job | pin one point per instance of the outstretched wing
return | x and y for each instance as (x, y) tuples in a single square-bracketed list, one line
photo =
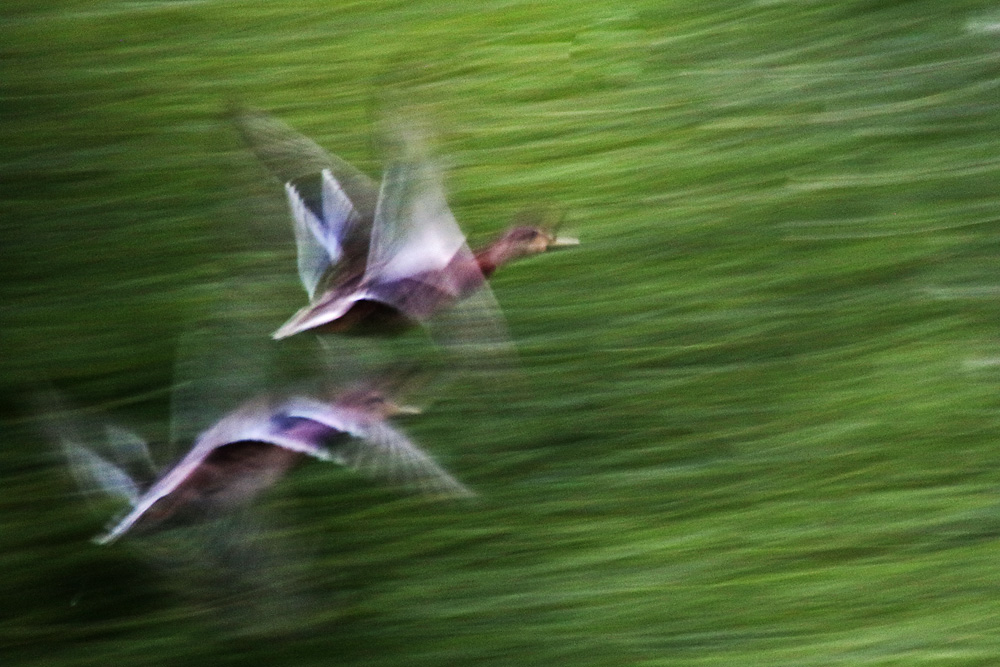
[(259, 423), (384, 453), (340, 197), (320, 239), (379, 451), (106, 467), (327, 308), (94, 473), (415, 236), (293, 157), (414, 230), (474, 330)]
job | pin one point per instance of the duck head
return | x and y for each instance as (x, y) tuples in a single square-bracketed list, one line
[(373, 404), (521, 241)]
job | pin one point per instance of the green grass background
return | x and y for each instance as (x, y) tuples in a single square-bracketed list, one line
[(760, 417)]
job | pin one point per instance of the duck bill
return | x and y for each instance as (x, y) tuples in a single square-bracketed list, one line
[(563, 242)]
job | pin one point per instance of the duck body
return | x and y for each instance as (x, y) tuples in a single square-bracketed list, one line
[(231, 476), (378, 260), (418, 265), (228, 466), (251, 449), (374, 305)]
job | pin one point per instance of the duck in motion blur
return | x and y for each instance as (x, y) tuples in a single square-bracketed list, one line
[(252, 448), (416, 262), (418, 265)]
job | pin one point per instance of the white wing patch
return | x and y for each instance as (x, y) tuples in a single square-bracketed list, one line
[(324, 413)]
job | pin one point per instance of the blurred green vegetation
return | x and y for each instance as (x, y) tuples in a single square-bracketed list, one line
[(760, 413)]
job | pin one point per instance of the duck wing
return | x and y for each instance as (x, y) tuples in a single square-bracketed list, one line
[(415, 239), (94, 473), (326, 308), (341, 198), (234, 447), (320, 238), (103, 459), (421, 264), (379, 451), (475, 332)]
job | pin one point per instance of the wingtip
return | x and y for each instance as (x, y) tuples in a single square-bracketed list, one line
[(290, 328), (295, 324), (110, 534), (453, 490), (103, 539)]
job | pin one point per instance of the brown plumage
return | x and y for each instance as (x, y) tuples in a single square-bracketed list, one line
[(418, 262), (252, 448), (378, 261)]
